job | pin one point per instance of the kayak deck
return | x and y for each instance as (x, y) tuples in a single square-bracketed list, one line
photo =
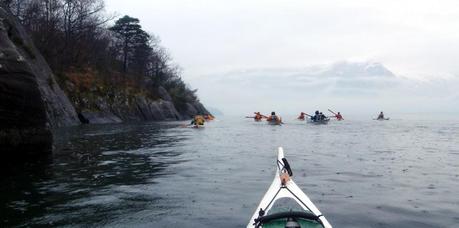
[(289, 205), (284, 201), (280, 223)]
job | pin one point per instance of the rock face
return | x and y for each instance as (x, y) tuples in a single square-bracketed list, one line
[(59, 110), (98, 117), (32, 102), (140, 109), (193, 109), (24, 124), (164, 94)]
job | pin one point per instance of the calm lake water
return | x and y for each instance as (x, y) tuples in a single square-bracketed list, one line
[(359, 173)]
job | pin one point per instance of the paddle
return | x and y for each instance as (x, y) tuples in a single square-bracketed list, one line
[(332, 112), (335, 114), (262, 116), (254, 117)]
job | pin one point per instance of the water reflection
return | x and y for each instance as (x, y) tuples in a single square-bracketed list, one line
[(96, 172)]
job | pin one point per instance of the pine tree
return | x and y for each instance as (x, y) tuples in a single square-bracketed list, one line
[(132, 38)]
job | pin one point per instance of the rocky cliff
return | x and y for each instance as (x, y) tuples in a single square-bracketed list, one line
[(32, 103), (103, 109), (24, 120), (59, 110)]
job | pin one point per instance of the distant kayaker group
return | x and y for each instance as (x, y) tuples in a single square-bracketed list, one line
[(277, 120), (274, 119), (318, 117)]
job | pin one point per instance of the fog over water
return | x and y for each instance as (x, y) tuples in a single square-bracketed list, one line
[(351, 87)]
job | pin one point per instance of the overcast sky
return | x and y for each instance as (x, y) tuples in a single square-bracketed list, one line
[(412, 38)]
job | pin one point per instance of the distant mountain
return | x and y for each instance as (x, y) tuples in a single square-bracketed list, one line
[(359, 69), (338, 69), (339, 78), (343, 85)]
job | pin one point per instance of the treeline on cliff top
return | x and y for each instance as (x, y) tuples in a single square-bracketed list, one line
[(92, 56)]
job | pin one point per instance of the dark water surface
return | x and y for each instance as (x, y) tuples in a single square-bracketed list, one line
[(359, 173)]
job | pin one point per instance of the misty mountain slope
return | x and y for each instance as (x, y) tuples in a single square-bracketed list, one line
[(345, 85), (342, 77)]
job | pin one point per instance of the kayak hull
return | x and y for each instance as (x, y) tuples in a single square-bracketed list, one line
[(274, 122), (324, 121)]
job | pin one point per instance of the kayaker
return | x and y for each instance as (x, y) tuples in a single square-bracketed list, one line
[(316, 116), (302, 116), (258, 116), (274, 117), (381, 116), (321, 116), (198, 120), (338, 116)]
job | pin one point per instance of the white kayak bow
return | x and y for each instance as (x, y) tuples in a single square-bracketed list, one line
[(289, 190)]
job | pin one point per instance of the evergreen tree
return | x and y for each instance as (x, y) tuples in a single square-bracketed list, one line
[(131, 37)]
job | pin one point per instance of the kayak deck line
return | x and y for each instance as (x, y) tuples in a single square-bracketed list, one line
[(288, 190)]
